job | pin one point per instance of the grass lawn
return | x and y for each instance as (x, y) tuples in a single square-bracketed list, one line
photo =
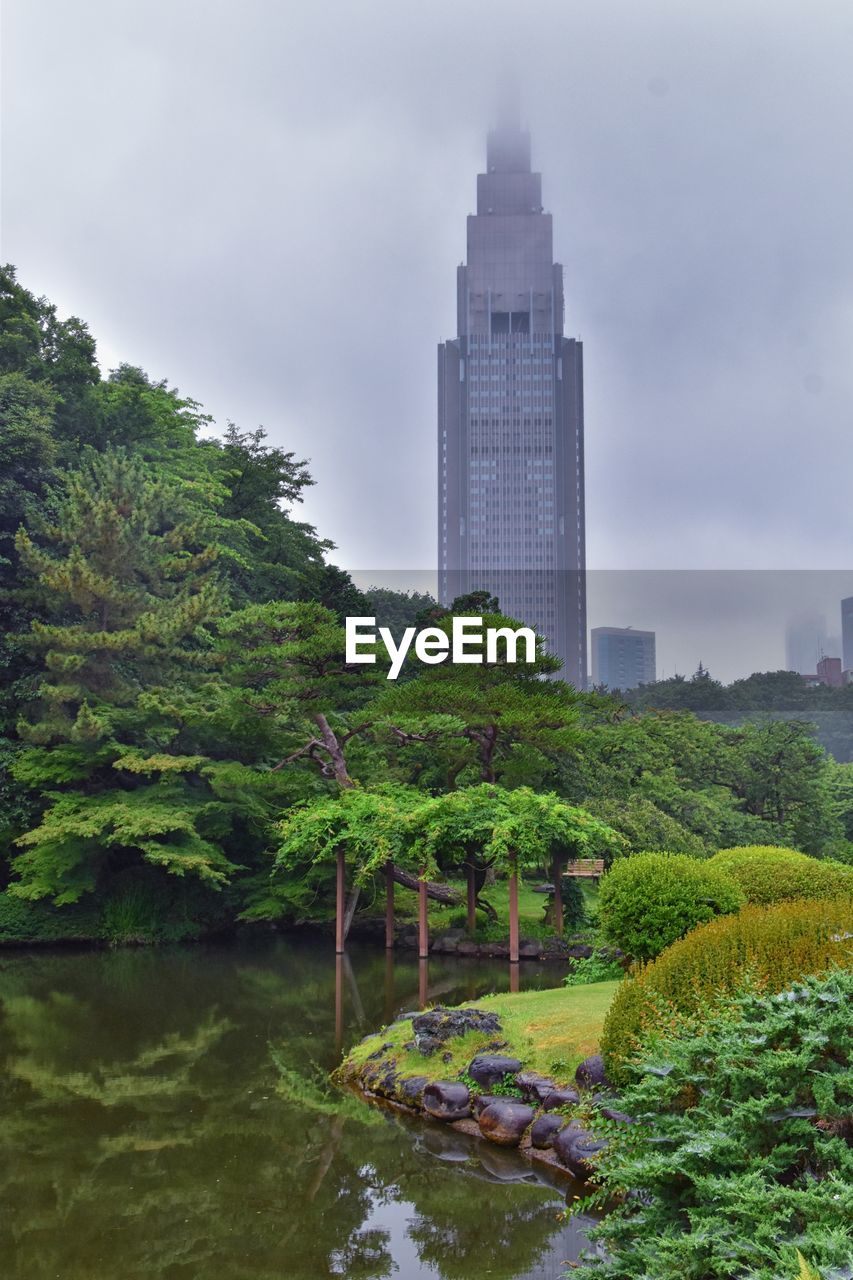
[(549, 1031)]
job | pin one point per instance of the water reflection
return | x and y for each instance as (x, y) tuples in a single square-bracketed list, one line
[(166, 1116)]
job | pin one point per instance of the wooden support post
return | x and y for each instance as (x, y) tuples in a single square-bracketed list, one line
[(514, 984), (339, 1004), (340, 903), (389, 905), (423, 973), (472, 898), (423, 920), (513, 911), (557, 874), (389, 987)]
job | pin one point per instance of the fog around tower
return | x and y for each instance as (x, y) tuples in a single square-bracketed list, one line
[(266, 205)]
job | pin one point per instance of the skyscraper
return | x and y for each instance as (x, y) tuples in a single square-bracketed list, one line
[(622, 658), (510, 415), (847, 633)]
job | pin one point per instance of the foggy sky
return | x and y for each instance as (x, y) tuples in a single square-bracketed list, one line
[(265, 203)]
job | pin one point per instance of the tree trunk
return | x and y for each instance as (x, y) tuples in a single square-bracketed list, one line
[(334, 751), (438, 892)]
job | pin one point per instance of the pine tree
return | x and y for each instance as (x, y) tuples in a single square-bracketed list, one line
[(131, 583)]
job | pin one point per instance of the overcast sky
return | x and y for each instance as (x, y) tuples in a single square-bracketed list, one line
[(265, 203)]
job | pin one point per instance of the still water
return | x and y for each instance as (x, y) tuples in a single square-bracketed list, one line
[(165, 1115)]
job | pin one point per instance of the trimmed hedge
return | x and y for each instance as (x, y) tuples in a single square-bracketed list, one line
[(768, 874), (649, 900), (763, 948)]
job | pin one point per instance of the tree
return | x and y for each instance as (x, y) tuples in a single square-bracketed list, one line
[(488, 710), (485, 826), (289, 658), (369, 828), (132, 584)]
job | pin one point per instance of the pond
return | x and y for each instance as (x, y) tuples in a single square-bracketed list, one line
[(165, 1115)]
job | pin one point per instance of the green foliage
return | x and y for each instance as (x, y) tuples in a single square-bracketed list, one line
[(768, 874), (476, 716), (574, 902), (370, 827), (599, 967), (769, 947), (741, 1162), (646, 826), (649, 900), (506, 828)]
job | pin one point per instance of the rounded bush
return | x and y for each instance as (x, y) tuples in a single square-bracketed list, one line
[(768, 874), (763, 948), (649, 900)]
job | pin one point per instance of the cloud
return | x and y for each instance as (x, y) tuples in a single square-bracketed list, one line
[(266, 204)]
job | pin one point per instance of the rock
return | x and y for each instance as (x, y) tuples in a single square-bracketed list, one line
[(444, 944), (543, 1130), (437, 1025), (481, 1101), (530, 950), (567, 1097), (574, 1146), (535, 1088), (590, 1073), (447, 1057), (496, 950), (610, 1113), (446, 1100), (579, 951), (410, 1090), (467, 947), (385, 1082), (489, 1069), (504, 1121), (427, 1045)]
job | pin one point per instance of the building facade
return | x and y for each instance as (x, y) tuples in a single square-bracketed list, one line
[(510, 416), (847, 633), (622, 658)]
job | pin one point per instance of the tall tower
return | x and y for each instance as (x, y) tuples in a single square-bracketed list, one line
[(510, 415)]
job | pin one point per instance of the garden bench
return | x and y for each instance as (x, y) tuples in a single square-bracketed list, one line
[(585, 868)]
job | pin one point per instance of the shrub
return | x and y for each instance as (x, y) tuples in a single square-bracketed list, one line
[(599, 967), (768, 947), (767, 874), (739, 1158), (649, 900)]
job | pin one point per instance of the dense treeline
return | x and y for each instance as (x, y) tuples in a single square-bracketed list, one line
[(767, 694), (173, 676)]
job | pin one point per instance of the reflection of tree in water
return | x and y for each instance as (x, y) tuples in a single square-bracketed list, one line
[(166, 1117)]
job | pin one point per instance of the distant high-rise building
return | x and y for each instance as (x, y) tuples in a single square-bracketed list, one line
[(847, 633), (622, 658), (510, 416), (806, 642)]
